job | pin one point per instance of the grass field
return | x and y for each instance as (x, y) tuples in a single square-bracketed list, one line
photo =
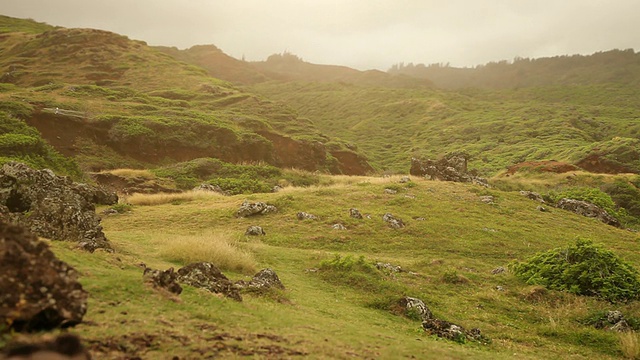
[(326, 312)]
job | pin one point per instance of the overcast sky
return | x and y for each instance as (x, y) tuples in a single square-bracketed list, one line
[(363, 34)]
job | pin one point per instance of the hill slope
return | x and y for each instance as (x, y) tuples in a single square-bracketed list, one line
[(96, 95), (341, 307)]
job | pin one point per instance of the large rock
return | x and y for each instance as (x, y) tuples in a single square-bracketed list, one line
[(265, 279), (257, 208), (588, 209), (37, 291), (52, 206), (207, 276), (452, 167), (162, 279)]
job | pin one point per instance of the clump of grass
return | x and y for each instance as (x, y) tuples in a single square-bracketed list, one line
[(175, 198), (132, 173), (451, 276), (218, 248), (630, 344)]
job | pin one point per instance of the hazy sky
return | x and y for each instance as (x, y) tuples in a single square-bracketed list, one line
[(362, 34)]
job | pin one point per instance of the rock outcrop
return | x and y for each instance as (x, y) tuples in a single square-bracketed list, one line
[(207, 276), (589, 210), (52, 206), (159, 279), (416, 306), (614, 321), (532, 195), (355, 213), (447, 330), (452, 167), (257, 208), (37, 290)]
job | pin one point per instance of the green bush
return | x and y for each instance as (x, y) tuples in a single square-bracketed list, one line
[(626, 195), (582, 269), (236, 186)]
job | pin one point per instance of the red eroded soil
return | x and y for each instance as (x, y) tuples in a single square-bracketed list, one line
[(550, 166)]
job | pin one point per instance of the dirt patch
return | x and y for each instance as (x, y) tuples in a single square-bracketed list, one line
[(598, 164), (550, 166)]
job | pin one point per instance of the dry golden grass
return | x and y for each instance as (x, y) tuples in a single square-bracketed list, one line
[(219, 248), (630, 344), (164, 198), (131, 173)]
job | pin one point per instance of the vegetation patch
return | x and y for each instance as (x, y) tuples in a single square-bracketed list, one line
[(582, 269)]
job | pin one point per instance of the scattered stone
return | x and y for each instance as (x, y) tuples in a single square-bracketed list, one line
[(499, 288), (254, 230), (166, 280), (389, 267), (305, 216), (542, 208), (498, 270), (110, 211), (65, 346), (487, 199), (276, 189), (52, 206), (405, 179), (265, 279), (614, 321), (452, 167), (410, 196), (258, 208), (589, 210), (394, 222), (419, 218), (447, 330), (367, 216), (532, 195), (390, 191), (210, 188), (338, 227), (37, 290), (489, 229), (417, 306), (207, 276), (355, 213), (312, 270)]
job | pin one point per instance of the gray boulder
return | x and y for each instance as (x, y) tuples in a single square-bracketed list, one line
[(52, 206), (532, 195), (394, 222), (257, 208), (588, 209), (388, 267), (416, 306), (207, 276), (254, 230), (338, 227), (37, 291)]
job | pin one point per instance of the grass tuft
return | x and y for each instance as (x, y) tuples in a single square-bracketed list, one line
[(630, 344), (160, 199), (218, 248)]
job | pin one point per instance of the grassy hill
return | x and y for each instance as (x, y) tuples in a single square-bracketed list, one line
[(112, 102), (498, 128), (336, 304)]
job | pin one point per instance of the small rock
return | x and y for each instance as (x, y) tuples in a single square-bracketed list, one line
[(263, 280), (338, 227), (487, 199), (306, 216), (276, 189), (390, 191), (416, 305), (532, 195), (388, 267), (499, 288), (621, 326), (258, 208), (419, 219), (405, 179), (254, 230), (210, 188), (355, 213), (394, 222), (614, 316), (498, 270), (542, 208)]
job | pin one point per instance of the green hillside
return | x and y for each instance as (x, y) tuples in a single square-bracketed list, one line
[(336, 303), (112, 102), (498, 128)]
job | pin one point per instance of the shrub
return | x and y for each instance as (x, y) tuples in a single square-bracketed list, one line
[(582, 269), (354, 272), (625, 195)]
